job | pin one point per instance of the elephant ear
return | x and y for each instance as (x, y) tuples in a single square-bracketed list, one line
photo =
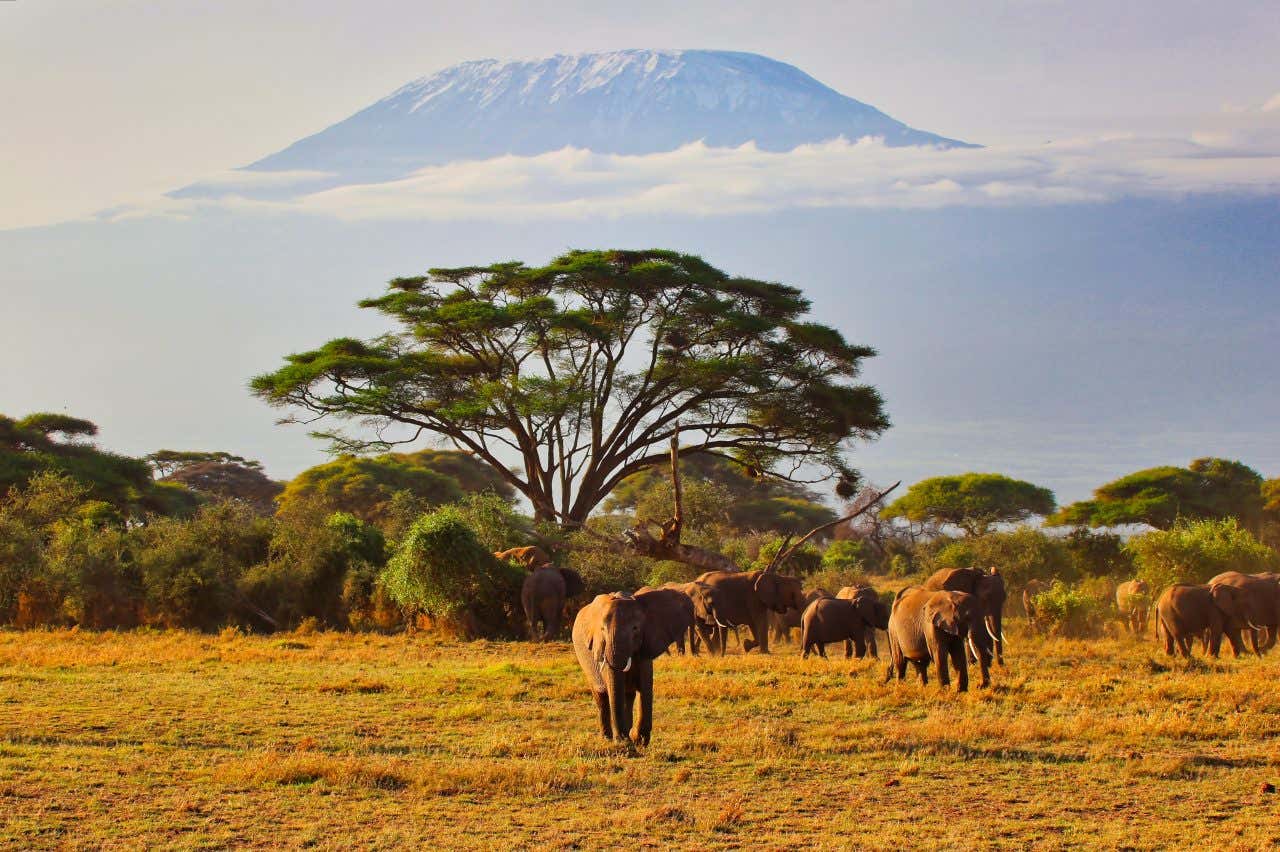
[(573, 583), (668, 614), (1227, 599), (766, 586)]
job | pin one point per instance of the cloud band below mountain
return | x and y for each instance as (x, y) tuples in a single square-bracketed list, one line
[(701, 181)]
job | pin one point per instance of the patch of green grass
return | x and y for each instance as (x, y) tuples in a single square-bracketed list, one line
[(183, 739)]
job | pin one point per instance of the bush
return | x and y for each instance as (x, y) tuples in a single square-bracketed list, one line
[(1022, 554), (90, 569), (845, 555), (442, 569), (1195, 551), (190, 568), (1097, 554), (834, 579), (1072, 611), (602, 569), (803, 562)]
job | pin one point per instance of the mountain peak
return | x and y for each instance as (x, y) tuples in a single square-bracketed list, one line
[(637, 101)]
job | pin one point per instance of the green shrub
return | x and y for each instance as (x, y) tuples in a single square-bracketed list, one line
[(92, 570), (802, 563), (1021, 554), (1194, 551), (190, 568), (1097, 554), (442, 569), (834, 579), (1073, 611), (845, 555)]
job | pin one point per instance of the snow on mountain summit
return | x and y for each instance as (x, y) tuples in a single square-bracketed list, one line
[(622, 102)]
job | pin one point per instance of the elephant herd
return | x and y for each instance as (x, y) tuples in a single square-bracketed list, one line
[(1231, 604), (954, 619)]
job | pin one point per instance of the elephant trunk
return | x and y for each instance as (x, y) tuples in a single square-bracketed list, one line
[(619, 707)]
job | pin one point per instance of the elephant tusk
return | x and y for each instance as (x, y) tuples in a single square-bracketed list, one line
[(973, 646), (991, 633), (627, 667)]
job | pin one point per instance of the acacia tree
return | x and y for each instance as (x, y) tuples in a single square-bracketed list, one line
[(971, 501), (570, 377), (1208, 488)]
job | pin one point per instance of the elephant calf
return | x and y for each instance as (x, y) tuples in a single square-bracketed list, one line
[(616, 639), (927, 626), (1186, 612), (1133, 602), (833, 620), (782, 623), (542, 596), (874, 612)]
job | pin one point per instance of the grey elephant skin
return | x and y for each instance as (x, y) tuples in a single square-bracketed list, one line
[(781, 624), (542, 595), (874, 611), (616, 638), (1186, 612), (928, 626), (988, 589), (747, 598), (829, 620), (1133, 602), (1260, 606)]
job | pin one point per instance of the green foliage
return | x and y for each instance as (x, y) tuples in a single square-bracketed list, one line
[(442, 568), (1021, 554), (496, 523), (168, 462), (602, 569), (834, 579), (1070, 610), (587, 366), (31, 446), (1159, 496), (190, 569), (1097, 554), (29, 518), (971, 501), (845, 555), (367, 487), (217, 479), (804, 561), (1194, 551)]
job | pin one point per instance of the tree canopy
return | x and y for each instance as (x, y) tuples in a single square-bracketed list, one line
[(568, 378), (241, 480), (366, 486), (167, 462), (971, 501), (56, 443), (1208, 488), (747, 503)]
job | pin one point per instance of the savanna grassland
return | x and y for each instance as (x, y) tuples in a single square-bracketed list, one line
[(332, 740)]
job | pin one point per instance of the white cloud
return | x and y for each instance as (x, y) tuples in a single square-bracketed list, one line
[(700, 181)]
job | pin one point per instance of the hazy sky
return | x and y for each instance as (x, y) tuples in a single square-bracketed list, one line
[(109, 102)]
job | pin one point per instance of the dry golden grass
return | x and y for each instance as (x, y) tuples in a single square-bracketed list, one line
[(325, 740)]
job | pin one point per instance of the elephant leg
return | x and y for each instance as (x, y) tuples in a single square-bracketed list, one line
[(643, 675), (602, 705), (871, 643), (848, 649), (759, 635), (1253, 640), (941, 656), (1168, 639), (922, 666), (822, 650), (961, 662)]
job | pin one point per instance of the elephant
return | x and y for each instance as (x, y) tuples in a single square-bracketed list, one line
[(1033, 589), (747, 598), (934, 626), (616, 638), (1185, 612), (988, 588), (1261, 602), (874, 611), (529, 557), (781, 624), (1133, 601), (836, 620), (699, 595), (543, 594)]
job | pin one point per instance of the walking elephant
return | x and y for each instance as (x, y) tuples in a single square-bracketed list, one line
[(875, 612), (616, 639), (782, 623), (988, 589), (1185, 612), (933, 626), (542, 595), (1260, 602), (1133, 602), (827, 620), (747, 598)]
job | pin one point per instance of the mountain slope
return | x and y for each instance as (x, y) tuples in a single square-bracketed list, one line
[(625, 102)]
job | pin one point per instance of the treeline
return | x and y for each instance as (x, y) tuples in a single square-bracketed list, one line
[(203, 540)]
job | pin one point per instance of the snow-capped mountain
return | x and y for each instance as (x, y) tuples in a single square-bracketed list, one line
[(624, 102)]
